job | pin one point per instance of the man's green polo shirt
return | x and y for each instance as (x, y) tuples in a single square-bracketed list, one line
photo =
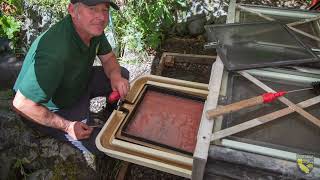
[(57, 68)]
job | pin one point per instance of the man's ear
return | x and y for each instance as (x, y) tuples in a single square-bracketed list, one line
[(71, 10)]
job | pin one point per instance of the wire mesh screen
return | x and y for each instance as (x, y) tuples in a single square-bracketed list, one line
[(313, 29), (292, 132), (246, 46)]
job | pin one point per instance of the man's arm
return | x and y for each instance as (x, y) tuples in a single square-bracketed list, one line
[(42, 115), (112, 70)]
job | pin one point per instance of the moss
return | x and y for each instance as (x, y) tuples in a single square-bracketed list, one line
[(65, 170)]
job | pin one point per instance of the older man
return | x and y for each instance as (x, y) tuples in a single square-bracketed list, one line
[(57, 79)]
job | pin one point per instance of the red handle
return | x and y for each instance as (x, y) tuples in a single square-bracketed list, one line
[(268, 97), (314, 2), (113, 97)]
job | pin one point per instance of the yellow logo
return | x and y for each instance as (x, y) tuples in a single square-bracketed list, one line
[(305, 162)]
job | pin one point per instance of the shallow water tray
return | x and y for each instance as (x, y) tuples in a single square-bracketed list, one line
[(157, 125)]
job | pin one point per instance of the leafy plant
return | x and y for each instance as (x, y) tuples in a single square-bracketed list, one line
[(19, 166), (143, 24), (9, 19), (9, 27), (140, 25)]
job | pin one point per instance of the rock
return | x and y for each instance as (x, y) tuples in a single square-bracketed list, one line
[(66, 150), (5, 162), (9, 69), (196, 24), (181, 29), (36, 21), (26, 155), (4, 45)]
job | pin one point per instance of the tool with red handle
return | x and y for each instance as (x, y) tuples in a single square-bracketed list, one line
[(114, 97), (265, 98)]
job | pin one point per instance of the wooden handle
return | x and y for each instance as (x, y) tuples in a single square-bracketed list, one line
[(234, 107)]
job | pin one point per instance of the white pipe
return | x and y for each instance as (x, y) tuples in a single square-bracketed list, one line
[(282, 76), (264, 151)]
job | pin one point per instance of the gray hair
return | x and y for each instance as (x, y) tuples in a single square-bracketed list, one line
[(76, 6)]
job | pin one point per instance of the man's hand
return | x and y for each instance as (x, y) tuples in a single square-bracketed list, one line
[(121, 85), (78, 130), (113, 71), (41, 115)]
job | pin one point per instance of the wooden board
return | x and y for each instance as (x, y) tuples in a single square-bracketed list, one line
[(168, 59), (205, 130)]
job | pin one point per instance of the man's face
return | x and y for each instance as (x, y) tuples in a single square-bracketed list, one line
[(91, 19)]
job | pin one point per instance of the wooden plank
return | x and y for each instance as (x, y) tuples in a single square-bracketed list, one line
[(296, 108), (189, 55), (161, 64), (205, 129), (168, 59), (234, 107), (200, 155), (261, 120), (231, 11)]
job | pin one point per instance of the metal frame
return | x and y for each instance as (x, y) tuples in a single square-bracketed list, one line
[(270, 72), (265, 13), (228, 62)]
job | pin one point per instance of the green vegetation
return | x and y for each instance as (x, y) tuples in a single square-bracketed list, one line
[(140, 25), (18, 166), (10, 27), (10, 23), (143, 24)]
